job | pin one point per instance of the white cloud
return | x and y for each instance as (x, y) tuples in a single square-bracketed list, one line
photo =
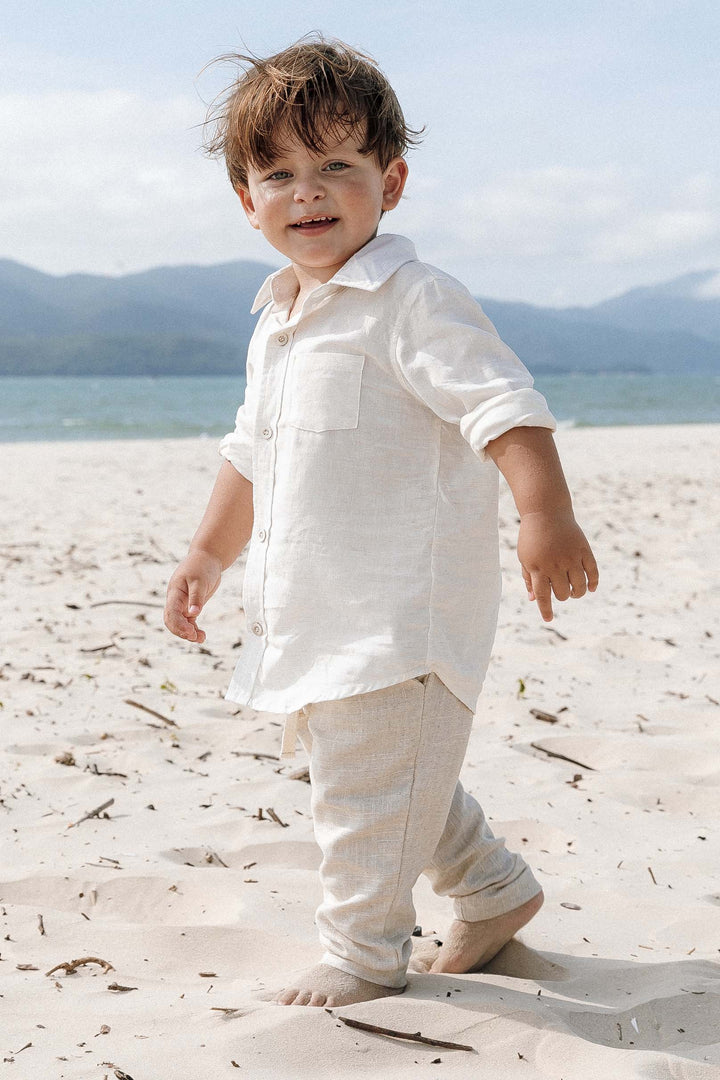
[(657, 232), (606, 215), (111, 181), (710, 289)]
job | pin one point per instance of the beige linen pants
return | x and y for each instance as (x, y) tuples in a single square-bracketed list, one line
[(387, 806)]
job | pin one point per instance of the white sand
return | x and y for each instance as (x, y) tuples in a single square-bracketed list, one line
[(197, 903)]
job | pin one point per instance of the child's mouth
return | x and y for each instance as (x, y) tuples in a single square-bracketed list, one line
[(316, 224)]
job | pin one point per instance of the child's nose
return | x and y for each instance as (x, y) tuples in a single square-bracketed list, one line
[(308, 190)]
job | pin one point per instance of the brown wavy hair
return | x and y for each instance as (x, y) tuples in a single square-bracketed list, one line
[(315, 91)]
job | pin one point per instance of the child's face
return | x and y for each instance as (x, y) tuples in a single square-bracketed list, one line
[(319, 209)]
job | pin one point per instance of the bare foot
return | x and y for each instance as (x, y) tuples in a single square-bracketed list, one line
[(470, 945), (326, 985)]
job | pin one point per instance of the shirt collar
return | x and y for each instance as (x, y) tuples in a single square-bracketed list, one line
[(369, 268)]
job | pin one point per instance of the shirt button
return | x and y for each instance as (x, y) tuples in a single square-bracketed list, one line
[(257, 628), (267, 432), (262, 534), (283, 339)]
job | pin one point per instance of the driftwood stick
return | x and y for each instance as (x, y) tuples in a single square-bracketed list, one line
[(98, 772), (254, 753), (563, 757), (411, 1036), (133, 603), (92, 813), (145, 708), (72, 965), (269, 810), (548, 717)]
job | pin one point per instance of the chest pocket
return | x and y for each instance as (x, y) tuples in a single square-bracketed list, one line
[(325, 391)]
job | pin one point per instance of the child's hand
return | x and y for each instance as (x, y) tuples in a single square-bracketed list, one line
[(191, 586), (555, 558)]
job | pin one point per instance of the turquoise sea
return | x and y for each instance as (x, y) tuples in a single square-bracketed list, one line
[(34, 409)]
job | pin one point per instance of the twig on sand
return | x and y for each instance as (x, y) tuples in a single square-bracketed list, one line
[(269, 810), (25, 1047), (92, 813), (650, 872), (102, 648), (41, 925), (548, 717), (254, 753), (411, 1036), (145, 708), (99, 772), (72, 965), (133, 603), (563, 757)]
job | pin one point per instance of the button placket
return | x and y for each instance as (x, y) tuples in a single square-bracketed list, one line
[(274, 371)]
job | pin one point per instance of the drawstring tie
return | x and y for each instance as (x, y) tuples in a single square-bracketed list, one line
[(290, 733)]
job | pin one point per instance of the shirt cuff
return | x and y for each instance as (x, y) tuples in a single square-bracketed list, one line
[(515, 408), (238, 453)]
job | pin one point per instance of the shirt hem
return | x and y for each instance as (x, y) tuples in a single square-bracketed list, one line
[(281, 703)]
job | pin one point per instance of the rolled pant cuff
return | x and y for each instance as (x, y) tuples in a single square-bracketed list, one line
[(393, 982), (490, 902)]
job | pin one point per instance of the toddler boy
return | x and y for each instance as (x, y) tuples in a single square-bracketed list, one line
[(363, 470)]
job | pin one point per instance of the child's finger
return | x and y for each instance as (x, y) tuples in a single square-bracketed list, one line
[(543, 595), (591, 569), (577, 581), (176, 615), (195, 599), (560, 585), (528, 583)]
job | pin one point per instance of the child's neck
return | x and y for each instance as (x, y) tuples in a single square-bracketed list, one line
[(307, 283)]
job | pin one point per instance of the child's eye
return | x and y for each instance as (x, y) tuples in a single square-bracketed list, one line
[(336, 166), (280, 174)]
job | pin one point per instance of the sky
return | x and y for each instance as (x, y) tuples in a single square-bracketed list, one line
[(570, 150)]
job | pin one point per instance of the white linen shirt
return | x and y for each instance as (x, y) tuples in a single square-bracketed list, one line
[(374, 553)]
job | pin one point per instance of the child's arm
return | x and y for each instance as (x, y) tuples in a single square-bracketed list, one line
[(553, 552), (224, 531)]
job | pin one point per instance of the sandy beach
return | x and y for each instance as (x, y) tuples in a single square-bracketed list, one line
[(596, 752)]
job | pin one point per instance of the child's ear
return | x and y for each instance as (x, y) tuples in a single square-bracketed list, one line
[(248, 206), (394, 179)]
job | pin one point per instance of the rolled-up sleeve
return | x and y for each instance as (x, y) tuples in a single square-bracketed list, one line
[(450, 355), (236, 447)]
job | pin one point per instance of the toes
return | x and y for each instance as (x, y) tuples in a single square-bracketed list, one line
[(293, 996)]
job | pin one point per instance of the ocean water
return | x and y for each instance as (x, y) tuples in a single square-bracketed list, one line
[(147, 408)]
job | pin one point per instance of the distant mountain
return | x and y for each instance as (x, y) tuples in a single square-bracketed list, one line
[(183, 320), (689, 304), (195, 320), (589, 339)]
